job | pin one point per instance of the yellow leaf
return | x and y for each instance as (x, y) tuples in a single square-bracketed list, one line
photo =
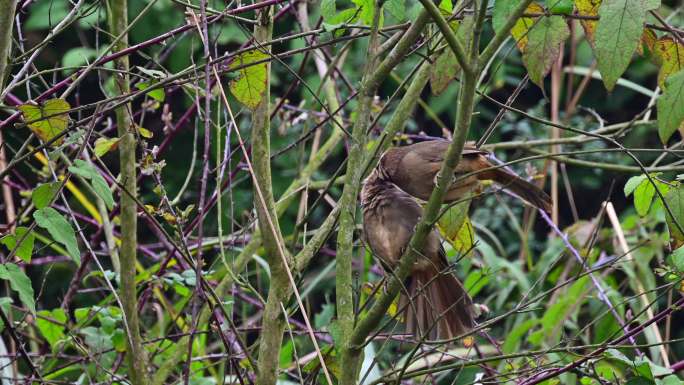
[(523, 26), (104, 145), (47, 119), (250, 84), (648, 41), (456, 228), (670, 55), (145, 133), (588, 8)]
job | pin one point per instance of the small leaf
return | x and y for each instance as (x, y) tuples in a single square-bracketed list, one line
[(670, 107), (543, 47), (52, 331), (144, 132), (632, 184), (104, 145), (588, 8), (522, 27), (20, 283), (156, 94), (44, 194), (670, 56), (155, 74), (98, 183), (60, 230), (48, 119), (250, 85), (25, 248), (77, 57), (456, 228), (675, 202), (643, 196), (618, 34)]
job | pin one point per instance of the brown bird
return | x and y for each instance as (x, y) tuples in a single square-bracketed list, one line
[(437, 305), (414, 168)]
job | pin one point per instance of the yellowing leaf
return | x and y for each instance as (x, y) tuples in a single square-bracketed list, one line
[(648, 41), (104, 145), (543, 46), (670, 55), (618, 34), (456, 228), (522, 27), (250, 84), (48, 119), (145, 133), (588, 8), (670, 106)]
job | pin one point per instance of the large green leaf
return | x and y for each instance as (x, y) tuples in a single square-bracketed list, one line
[(47, 119), (20, 283), (543, 47), (250, 84), (671, 107), (60, 230), (617, 36)]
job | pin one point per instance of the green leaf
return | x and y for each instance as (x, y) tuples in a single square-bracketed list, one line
[(514, 336), (396, 8), (250, 85), (44, 194), (156, 94), (60, 230), (475, 282), (366, 10), (677, 259), (456, 228), (48, 119), (77, 57), (643, 196), (25, 248), (671, 107), (328, 9), (104, 145), (52, 331), (20, 283), (675, 202), (670, 56), (560, 6), (543, 47), (98, 183), (632, 184), (617, 37)]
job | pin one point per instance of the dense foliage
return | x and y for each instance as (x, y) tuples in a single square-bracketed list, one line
[(180, 186)]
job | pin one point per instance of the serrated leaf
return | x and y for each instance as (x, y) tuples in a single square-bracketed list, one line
[(52, 331), (20, 283), (250, 85), (59, 229), (25, 248), (47, 119), (588, 8), (670, 107), (44, 194), (104, 145), (618, 34), (675, 202), (543, 46), (670, 56), (98, 183)]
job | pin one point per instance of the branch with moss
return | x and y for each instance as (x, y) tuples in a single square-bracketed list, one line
[(117, 12)]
